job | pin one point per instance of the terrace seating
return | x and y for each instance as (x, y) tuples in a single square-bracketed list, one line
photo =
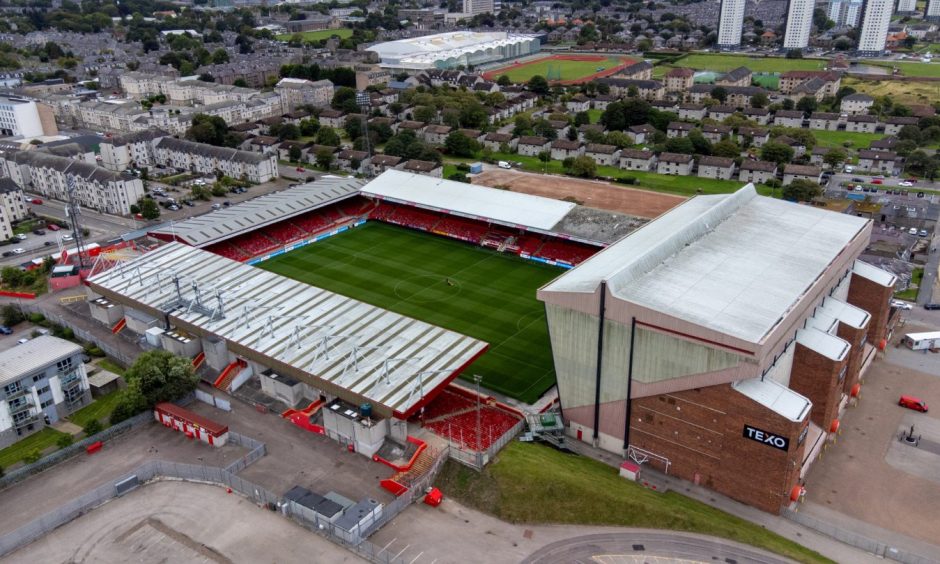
[(529, 244), (311, 222), (416, 219), (254, 243), (460, 228), (357, 207), (447, 403), (227, 250), (462, 428), (567, 252), (285, 232)]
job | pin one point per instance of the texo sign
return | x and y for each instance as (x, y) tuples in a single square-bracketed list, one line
[(763, 437)]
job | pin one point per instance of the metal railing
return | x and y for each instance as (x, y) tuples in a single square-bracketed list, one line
[(857, 540)]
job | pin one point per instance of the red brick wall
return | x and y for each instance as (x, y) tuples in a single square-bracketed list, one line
[(875, 299), (817, 378), (856, 338), (701, 432)]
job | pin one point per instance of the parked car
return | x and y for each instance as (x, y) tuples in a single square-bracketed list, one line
[(922, 233), (503, 164), (21, 237), (857, 180), (36, 201), (301, 169), (47, 244), (914, 403), (189, 203), (216, 206), (53, 227), (931, 306), (19, 251), (5, 330), (66, 237), (905, 183), (877, 181), (8, 253), (22, 341), (39, 231), (901, 305), (226, 203)]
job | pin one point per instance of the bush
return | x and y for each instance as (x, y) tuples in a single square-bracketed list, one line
[(131, 404), (627, 180), (63, 332), (37, 318), (463, 167), (64, 441), (94, 351), (33, 456), (11, 315), (93, 427)]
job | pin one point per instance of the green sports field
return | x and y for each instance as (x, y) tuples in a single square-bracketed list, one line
[(569, 70), (406, 271), (317, 35)]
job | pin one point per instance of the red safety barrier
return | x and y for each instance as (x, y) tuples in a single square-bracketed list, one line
[(94, 447), (393, 486), (24, 295)]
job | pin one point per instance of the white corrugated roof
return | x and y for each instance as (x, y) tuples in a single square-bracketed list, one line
[(874, 273), (732, 263), (829, 346), (264, 210), (308, 328), (776, 397), (36, 354), (469, 199)]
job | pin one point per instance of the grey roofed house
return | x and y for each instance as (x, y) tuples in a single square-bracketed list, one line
[(533, 140), (136, 137), (761, 166), (258, 212), (884, 144), (33, 355), (790, 114), (802, 170), (824, 115), (7, 185), (735, 75), (720, 162), (752, 131), (863, 118), (680, 158), (600, 148), (756, 112), (636, 154), (859, 97), (566, 145), (420, 166), (205, 150), (385, 160), (82, 169), (877, 155), (681, 126), (720, 129), (496, 137)]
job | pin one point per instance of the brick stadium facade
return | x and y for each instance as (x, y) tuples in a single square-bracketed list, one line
[(740, 328)]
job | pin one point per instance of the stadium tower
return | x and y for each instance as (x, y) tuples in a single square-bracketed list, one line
[(799, 23), (876, 17), (730, 22)]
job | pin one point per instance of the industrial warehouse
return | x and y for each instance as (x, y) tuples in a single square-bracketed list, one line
[(740, 327)]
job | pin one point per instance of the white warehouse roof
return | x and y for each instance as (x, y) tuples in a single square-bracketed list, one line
[(468, 200), (340, 343), (734, 263), (426, 51)]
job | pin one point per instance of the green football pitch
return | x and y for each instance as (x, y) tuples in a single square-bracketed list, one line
[(491, 296)]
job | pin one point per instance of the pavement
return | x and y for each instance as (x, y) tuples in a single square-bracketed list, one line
[(181, 522)]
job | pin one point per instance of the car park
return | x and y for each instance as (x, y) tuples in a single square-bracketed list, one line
[(877, 181), (905, 183), (912, 231), (8, 253), (66, 237), (301, 169), (53, 227), (226, 203), (189, 203), (912, 402), (857, 180), (922, 233)]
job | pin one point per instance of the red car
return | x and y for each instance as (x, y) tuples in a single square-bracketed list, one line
[(911, 402), (877, 181), (301, 169), (53, 227), (36, 201)]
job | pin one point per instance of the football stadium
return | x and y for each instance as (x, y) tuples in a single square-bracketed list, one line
[(450, 50), (408, 310)]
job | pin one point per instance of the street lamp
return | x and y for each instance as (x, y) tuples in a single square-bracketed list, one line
[(477, 378)]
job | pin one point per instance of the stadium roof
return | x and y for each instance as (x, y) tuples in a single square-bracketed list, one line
[(357, 351), (264, 210), (426, 50), (734, 263), (469, 200)]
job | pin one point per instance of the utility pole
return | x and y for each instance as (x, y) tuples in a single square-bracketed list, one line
[(365, 103), (477, 378), (72, 211)]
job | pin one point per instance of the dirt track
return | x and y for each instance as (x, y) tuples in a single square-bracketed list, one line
[(602, 195)]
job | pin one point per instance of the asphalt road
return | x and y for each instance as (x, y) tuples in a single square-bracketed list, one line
[(647, 546)]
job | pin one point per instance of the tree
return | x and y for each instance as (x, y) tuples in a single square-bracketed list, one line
[(581, 118), (544, 156), (208, 129), (726, 148), (788, 104), (219, 56), (544, 129), (11, 315), (759, 100), (682, 145), (834, 157), (459, 145), (324, 158), (159, 375), (807, 104), (700, 143), (344, 99), (776, 152), (426, 114), (538, 85), (582, 166), (327, 136), (802, 190), (503, 80), (911, 132), (294, 153), (719, 93), (795, 54), (149, 208)]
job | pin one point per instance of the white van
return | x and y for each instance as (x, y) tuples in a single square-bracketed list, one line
[(504, 164)]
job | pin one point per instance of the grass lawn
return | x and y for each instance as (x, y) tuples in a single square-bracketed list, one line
[(110, 366), (319, 34), (899, 91), (682, 185), (531, 483), (724, 63), (28, 226), (837, 138), (41, 440), (919, 69), (911, 293), (100, 409), (570, 70), (595, 115), (405, 271), (768, 81)]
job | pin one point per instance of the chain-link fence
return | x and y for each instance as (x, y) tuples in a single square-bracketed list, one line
[(858, 541), (256, 451), (60, 455)]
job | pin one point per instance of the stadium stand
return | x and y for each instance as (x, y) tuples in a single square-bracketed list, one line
[(464, 229), (565, 251), (529, 244), (462, 428), (447, 403), (227, 250), (285, 232)]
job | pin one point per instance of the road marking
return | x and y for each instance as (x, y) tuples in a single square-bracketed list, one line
[(413, 560)]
